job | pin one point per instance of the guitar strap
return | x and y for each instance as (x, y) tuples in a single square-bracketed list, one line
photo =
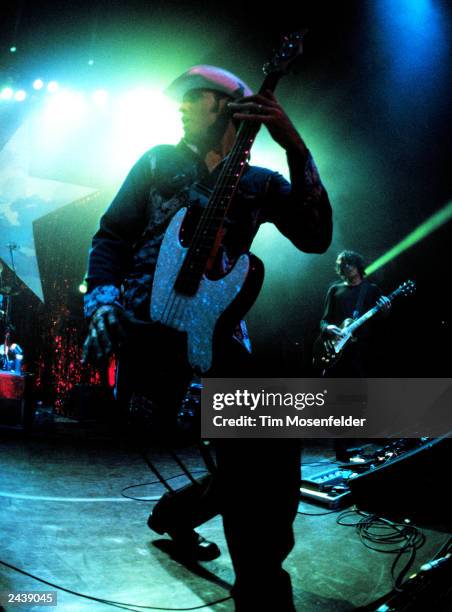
[(360, 300)]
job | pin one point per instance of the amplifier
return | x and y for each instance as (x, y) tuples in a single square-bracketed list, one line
[(414, 485)]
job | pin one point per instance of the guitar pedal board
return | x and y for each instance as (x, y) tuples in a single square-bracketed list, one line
[(329, 488)]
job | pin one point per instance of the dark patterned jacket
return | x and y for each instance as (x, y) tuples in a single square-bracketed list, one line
[(125, 247)]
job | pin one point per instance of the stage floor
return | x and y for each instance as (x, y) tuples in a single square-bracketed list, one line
[(63, 519)]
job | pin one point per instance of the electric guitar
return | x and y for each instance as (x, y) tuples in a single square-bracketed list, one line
[(185, 295), (327, 352)]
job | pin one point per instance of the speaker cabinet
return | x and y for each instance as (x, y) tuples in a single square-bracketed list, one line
[(415, 486)]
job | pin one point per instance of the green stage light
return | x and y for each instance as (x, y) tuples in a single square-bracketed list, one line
[(430, 225)]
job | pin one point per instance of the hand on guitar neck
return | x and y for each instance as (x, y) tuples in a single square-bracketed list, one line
[(384, 303), (265, 108)]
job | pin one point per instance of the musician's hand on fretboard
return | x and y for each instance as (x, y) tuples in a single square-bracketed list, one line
[(384, 304)]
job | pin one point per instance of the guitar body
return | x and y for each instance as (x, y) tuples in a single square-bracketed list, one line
[(216, 307), (327, 353)]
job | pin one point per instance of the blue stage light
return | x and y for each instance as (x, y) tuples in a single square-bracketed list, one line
[(52, 87), (20, 95), (7, 93)]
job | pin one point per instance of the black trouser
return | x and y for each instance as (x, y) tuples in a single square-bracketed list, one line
[(259, 484), (256, 488), (352, 364)]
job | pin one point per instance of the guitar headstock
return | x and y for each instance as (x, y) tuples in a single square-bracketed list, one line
[(407, 288), (285, 59)]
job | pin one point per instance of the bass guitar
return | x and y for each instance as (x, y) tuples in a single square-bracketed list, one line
[(327, 352), (184, 296)]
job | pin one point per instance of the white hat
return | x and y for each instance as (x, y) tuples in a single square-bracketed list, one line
[(208, 77)]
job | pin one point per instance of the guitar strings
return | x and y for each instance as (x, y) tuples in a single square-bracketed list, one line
[(245, 136), (219, 192)]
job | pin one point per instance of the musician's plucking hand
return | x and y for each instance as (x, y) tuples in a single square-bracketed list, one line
[(105, 334)]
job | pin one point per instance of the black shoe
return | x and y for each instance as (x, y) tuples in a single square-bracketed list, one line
[(156, 523), (185, 543), (192, 546)]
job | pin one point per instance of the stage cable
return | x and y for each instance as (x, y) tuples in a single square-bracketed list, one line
[(109, 602), (385, 536), (153, 482)]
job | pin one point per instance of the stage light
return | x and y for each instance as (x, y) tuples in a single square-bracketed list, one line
[(100, 96), (90, 62), (83, 288), (413, 38), (7, 93), (62, 115), (53, 87), (13, 49), (20, 95), (38, 84), (430, 225), (142, 118), (65, 105)]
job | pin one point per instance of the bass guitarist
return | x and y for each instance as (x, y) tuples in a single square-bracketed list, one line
[(121, 269)]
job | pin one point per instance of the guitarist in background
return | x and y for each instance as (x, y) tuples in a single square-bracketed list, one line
[(351, 298), (257, 480)]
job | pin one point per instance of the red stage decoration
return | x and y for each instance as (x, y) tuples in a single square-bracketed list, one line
[(11, 386)]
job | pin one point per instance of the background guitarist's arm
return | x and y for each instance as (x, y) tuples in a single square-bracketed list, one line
[(300, 209)]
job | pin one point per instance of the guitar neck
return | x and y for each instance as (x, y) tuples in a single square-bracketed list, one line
[(370, 313), (362, 319), (207, 236), (205, 240), (239, 155), (233, 168)]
